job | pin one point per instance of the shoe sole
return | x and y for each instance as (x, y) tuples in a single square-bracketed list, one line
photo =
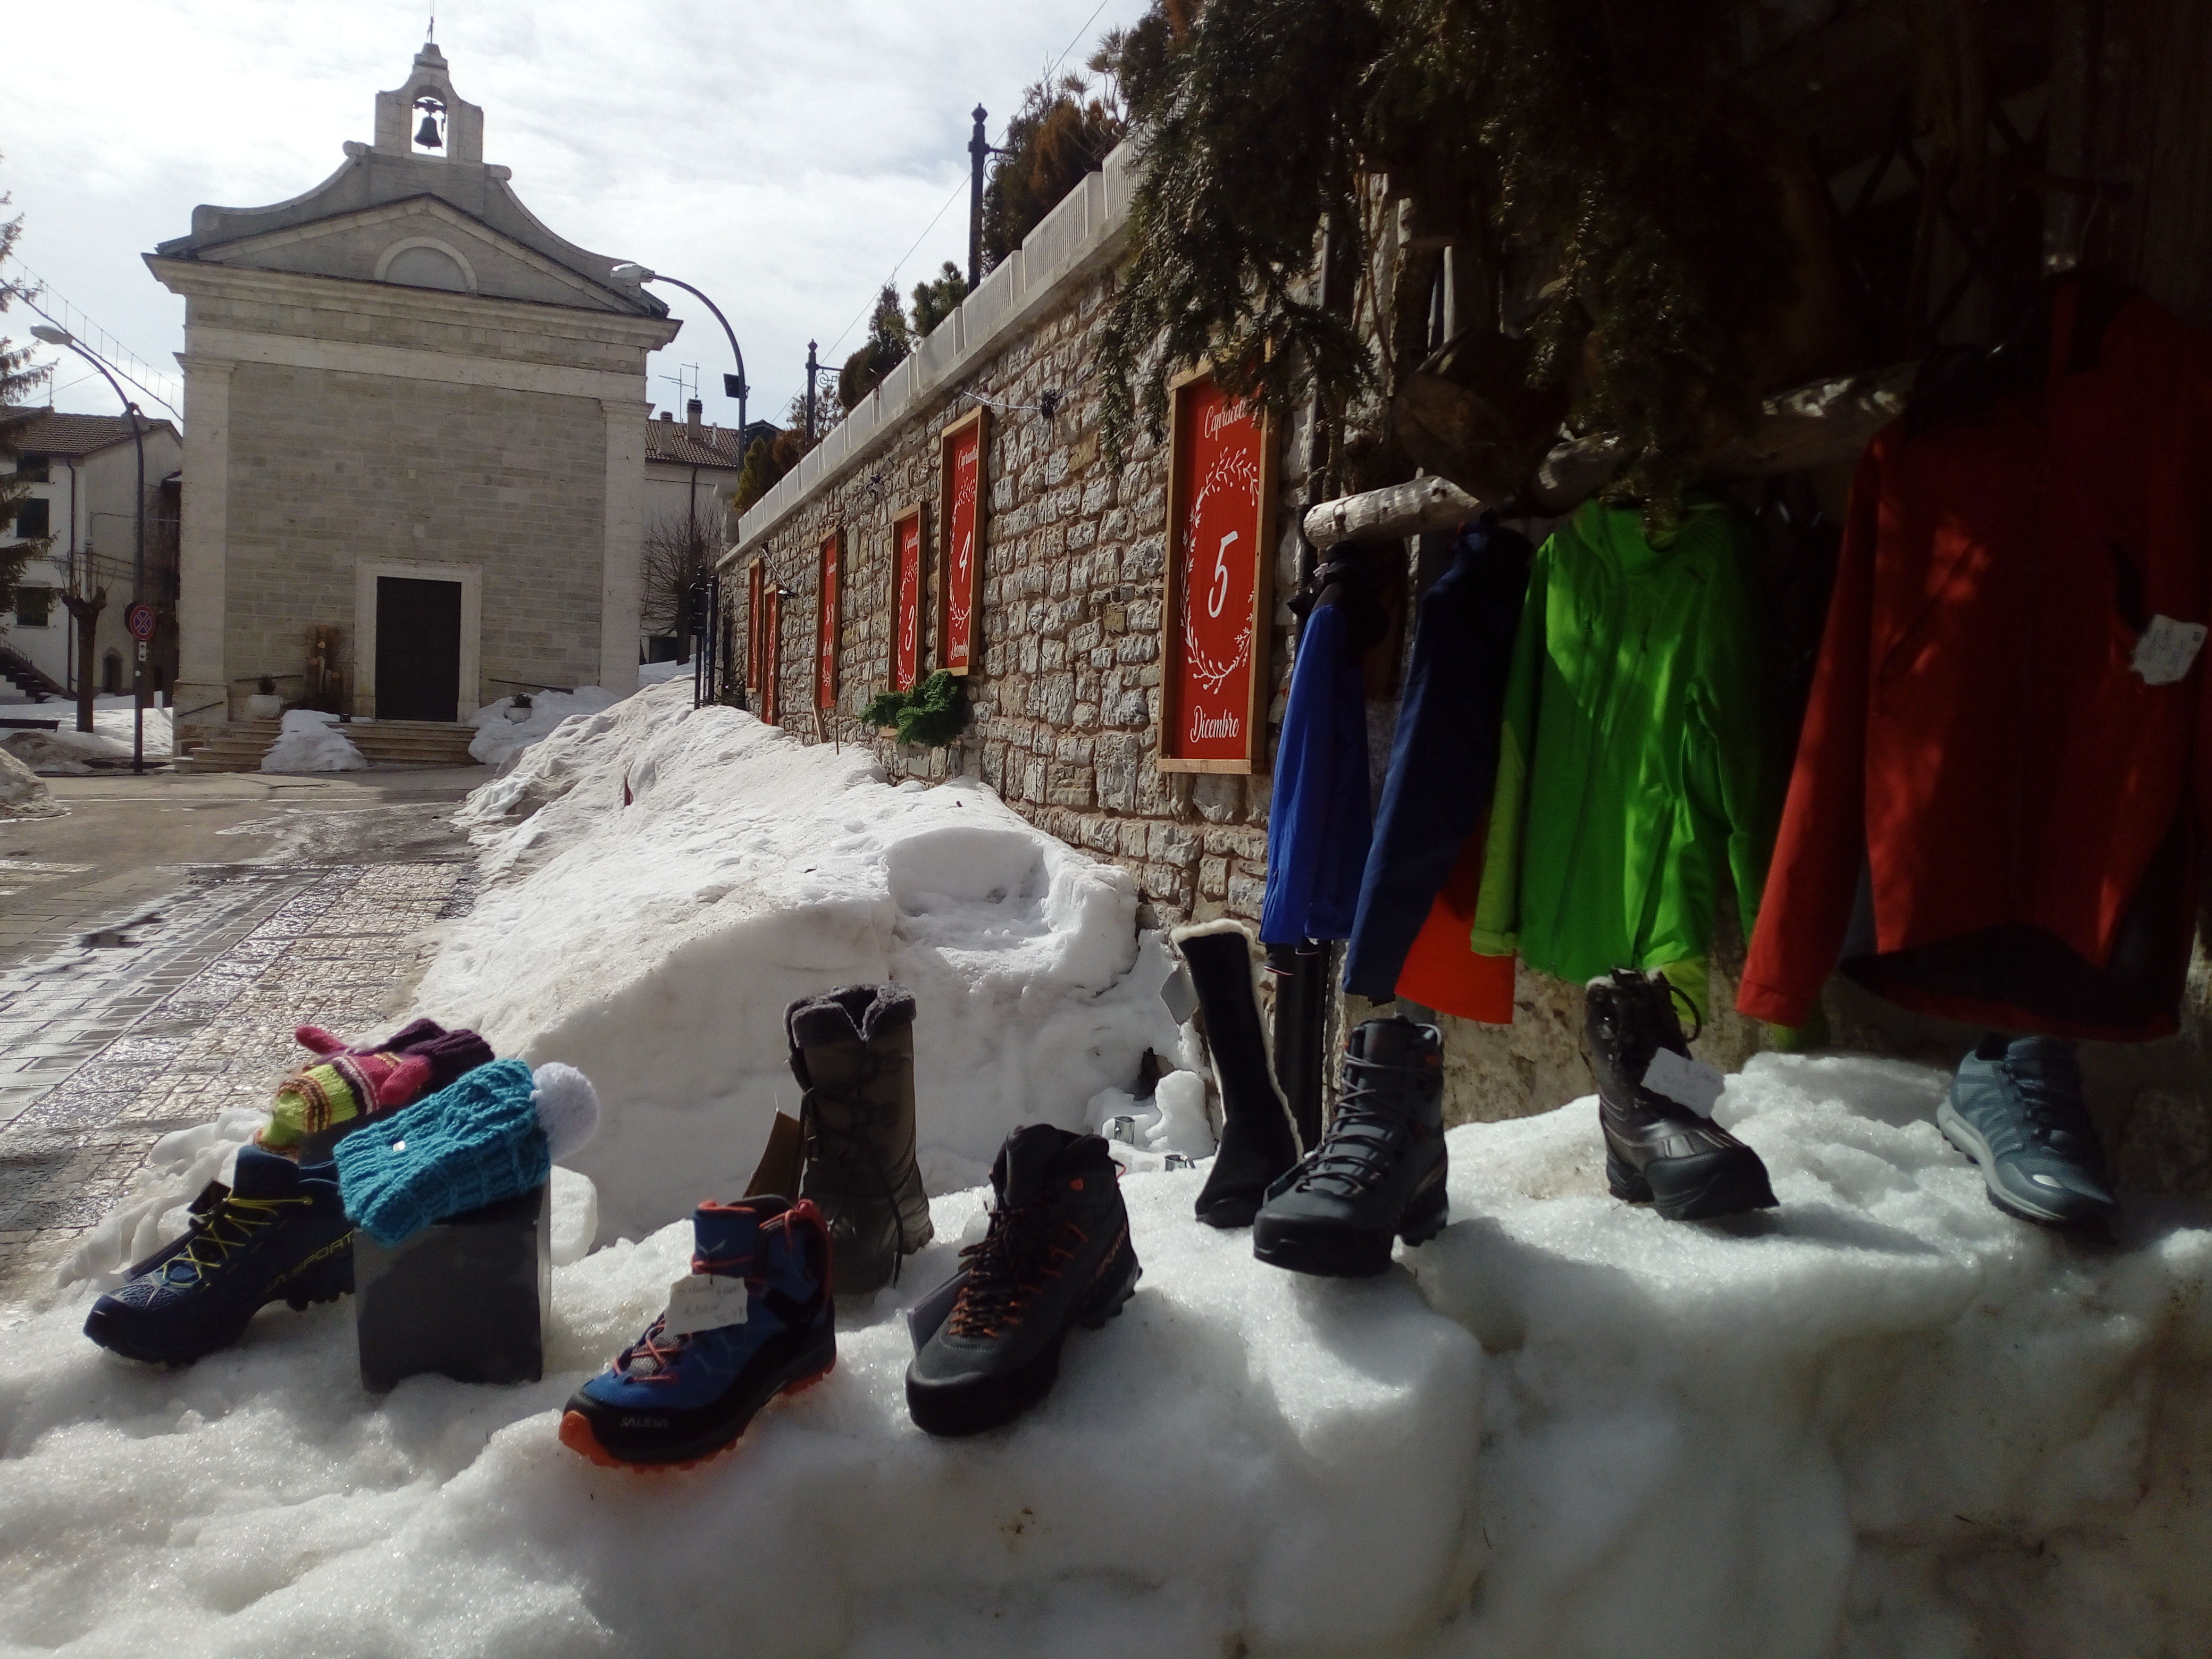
[(1971, 1144), (1730, 1181), (950, 1412), (579, 1436), (1327, 1252)]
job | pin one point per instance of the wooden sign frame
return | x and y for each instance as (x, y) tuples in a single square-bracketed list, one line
[(1250, 709), (910, 584), (756, 617), (828, 607), (772, 666), (960, 557)]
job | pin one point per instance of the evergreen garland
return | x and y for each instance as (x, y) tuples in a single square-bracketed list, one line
[(1603, 133), (932, 714)]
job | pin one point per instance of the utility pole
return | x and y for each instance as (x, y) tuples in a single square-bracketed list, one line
[(979, 148)]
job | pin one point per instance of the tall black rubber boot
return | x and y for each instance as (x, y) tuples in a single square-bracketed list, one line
[(1301, 975), (1259, 1140), (853, 1052)]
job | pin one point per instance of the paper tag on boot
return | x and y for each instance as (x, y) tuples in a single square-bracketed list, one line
[(703, 1301), (1690, 1082), (2166, 650)]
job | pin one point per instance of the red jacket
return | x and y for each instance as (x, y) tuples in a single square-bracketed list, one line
[(1978, 742)]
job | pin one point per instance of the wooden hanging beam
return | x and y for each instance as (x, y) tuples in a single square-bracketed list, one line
[(1815, 425)]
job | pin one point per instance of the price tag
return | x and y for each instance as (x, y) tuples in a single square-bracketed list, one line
[(1690, 1082), (2167, 649), (704, 1301)]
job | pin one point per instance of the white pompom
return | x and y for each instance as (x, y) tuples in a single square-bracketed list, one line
[(567, 1107)]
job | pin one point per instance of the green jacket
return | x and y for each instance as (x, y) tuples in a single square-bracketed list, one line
[(1631, 774)]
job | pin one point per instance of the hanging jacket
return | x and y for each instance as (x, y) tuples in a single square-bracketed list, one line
[(1443, 763), (1631, 779), (1320, 819), (1986, 793)]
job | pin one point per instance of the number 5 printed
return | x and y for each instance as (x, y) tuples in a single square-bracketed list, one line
[(1218, 591)]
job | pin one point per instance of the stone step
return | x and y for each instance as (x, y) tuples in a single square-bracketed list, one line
[(240, 745)]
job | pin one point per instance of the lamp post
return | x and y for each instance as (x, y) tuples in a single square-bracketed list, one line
[(53, 334), (733, 386)]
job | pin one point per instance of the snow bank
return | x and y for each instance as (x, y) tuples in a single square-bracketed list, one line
[(1884, 1420), (111, 719), (23, 795), (656, 945), (499, 740), (309, 742), (67, 752)]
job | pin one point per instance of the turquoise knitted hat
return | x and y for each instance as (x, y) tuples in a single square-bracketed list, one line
[(492, 1134)]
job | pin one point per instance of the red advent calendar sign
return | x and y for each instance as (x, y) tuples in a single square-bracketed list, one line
[(909, 534), (755, 622), (962, 448), (1214, 623), (772, 657), (826, 598)]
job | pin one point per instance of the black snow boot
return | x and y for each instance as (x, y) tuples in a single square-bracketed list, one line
[(1259, 1140), (1057, 1255), (853, 1052), (1658, 1150), (1379, 1171)]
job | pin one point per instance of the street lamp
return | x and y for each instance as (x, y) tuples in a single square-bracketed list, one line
[(733, 386), (55, 335)]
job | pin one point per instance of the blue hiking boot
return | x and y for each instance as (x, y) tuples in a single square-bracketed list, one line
[(676, 1396), (280, 1233), (2015, 1109)]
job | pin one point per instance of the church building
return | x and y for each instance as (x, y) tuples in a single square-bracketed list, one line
[(415, 431)]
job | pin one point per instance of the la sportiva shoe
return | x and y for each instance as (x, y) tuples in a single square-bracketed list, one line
[(852, 1050), (1057, 1255), (1378, 1174), (1658, 1150), (685, 1391), (2015, 1109), (280, 1233)]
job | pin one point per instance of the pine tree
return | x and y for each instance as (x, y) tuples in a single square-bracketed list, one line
[(17, 377)]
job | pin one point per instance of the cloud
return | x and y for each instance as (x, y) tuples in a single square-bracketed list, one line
[(782, 156)]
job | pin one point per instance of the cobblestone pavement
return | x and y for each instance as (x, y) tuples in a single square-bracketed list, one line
[(179, 998)]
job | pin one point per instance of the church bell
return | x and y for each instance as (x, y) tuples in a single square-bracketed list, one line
[(427, 136)]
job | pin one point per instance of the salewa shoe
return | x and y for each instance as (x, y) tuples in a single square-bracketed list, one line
[(686, 1389), (852, 1050), (280, 1233), (1657, 1149), (1378, 1174), (1057, 1255), (2015, 1109)]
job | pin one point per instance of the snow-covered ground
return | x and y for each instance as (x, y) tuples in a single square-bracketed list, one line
[(1882, 1419), (309, 742)]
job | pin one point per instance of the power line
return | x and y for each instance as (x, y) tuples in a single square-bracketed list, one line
[(79, 325), (1051, 67)]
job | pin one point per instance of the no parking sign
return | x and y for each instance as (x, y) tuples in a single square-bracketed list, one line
[(139, 619)]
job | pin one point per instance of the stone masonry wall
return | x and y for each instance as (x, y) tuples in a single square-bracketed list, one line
[(329, 468), (1066, 697)]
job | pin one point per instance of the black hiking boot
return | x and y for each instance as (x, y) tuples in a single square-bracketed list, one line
[(853, 1052), (1259, 1140), (1379, 1171), (1658, 1150), (1057, 1255)]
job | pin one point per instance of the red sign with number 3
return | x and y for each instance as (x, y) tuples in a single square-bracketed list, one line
[(908, 535)]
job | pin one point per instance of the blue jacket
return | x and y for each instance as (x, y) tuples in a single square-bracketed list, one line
[(1318, 822), (1445, 757)]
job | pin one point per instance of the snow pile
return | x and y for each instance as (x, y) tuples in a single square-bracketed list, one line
[(309, 742), (500, 740), (66, 752), (111, 719), (656, 945), (23, 795), (1883, 1420)]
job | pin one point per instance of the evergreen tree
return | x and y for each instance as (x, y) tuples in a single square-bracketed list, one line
[(934, 301), (17, 377)]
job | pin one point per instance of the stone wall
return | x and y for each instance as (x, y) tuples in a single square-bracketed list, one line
[(1066, 696), (330, 469)]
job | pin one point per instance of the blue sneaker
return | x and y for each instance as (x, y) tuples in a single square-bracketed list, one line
[(677, 1400), (2016, 1111), (280, 1232)]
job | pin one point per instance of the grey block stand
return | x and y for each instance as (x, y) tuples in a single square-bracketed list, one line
[(468, 1297)]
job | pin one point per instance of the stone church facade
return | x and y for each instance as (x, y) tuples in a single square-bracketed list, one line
[(414, 415)]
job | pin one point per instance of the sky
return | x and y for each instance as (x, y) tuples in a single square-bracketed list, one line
[(784, 155)]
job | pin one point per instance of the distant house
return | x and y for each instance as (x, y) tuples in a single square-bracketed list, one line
[(416, 419), (83, 470), (690, 473)]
